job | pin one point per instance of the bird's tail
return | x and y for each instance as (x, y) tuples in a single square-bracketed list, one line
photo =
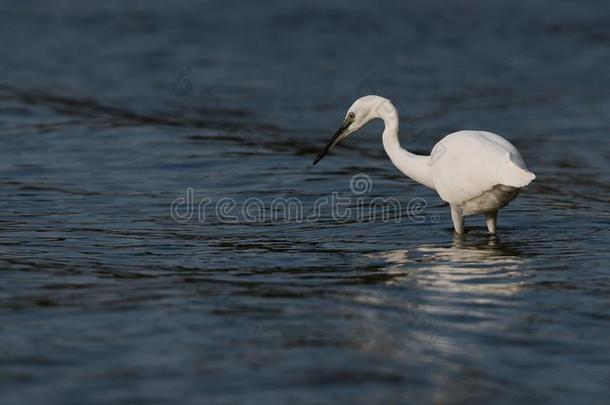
[(516, 174), (519, 177)]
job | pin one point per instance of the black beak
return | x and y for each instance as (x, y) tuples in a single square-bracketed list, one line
[(337, 137), (331, 144)]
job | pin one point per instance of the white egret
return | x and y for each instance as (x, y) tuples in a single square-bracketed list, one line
[(476, 172)]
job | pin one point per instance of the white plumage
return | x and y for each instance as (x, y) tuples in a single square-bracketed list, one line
[(476, 172)]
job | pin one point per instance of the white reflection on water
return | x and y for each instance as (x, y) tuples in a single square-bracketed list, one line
[(438, 294), (489, 252), (485, 266), (475, 263)]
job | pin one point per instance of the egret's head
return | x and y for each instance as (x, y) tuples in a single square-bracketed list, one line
[(364, 110)]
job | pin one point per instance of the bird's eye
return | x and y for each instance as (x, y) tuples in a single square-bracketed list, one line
[(351, 115)]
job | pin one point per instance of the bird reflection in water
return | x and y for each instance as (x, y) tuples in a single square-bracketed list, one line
[(430, 283), (476, 262)]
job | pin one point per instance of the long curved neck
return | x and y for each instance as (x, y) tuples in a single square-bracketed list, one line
[(412, 165)]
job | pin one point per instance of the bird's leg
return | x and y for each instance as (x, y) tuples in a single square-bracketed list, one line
[(491, 219), (458, 220)]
